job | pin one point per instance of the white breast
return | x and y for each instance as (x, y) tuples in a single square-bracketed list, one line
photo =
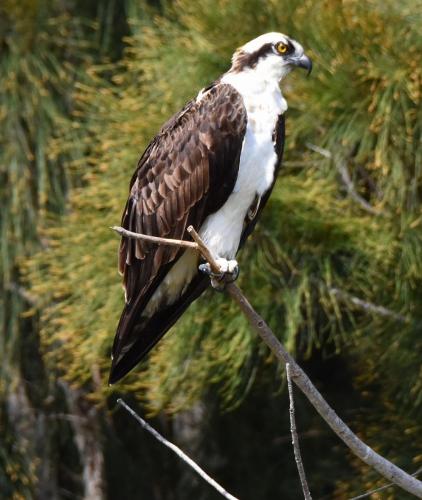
[(264, 103)]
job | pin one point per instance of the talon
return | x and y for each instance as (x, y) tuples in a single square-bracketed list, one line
[(229, 273), (206, 269), (230, 269), (218, 284), (233, 274)]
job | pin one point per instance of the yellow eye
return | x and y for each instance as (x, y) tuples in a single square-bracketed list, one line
[(281, 48)]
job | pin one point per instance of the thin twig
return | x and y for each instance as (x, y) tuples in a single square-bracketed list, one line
[(368, 306), (154, 239), (381, 488), (359, 303), (295, 438), (205, 251), (177, 451), (356, 445), (345, 177), (318, 149), (350, 188)]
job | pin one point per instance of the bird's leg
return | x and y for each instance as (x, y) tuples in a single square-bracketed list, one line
[(229, 271)]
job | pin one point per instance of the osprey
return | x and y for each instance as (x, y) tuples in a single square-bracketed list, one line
[(213, 166)]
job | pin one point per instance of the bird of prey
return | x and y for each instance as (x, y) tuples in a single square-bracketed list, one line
[(213, 166)]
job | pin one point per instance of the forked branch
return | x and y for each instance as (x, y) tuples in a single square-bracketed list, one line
[(356, 445)]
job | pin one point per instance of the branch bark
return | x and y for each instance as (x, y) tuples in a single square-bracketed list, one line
[(175, 449), (356, 445), (154, 239), (368, 306), (295, 438)]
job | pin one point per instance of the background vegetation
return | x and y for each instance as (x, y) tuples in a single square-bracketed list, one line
[(335, 266)]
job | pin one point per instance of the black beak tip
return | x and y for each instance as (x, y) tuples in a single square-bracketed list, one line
[(303, 62), (309, 68), (306, 63)]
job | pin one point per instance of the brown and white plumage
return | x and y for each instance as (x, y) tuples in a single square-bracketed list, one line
[(201, 169)]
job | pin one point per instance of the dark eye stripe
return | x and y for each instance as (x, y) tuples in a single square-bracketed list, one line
[(250, 60), (244, 60)]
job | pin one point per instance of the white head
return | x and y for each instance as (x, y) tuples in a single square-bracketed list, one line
[(271, 56)]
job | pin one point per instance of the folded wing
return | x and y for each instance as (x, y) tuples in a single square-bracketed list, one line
[(187, 172)]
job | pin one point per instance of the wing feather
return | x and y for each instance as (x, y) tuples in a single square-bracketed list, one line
[(186, 173)]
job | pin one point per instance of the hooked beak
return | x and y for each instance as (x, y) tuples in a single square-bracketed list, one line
[(302, 62)]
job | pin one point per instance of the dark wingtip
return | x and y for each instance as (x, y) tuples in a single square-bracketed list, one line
[(116, 374), (126, 363)]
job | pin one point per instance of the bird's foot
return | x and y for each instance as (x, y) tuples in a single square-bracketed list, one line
[(229, 271)]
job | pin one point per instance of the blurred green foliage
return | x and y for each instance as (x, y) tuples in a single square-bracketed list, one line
[(33, 114), (41, 48), (330, 276)]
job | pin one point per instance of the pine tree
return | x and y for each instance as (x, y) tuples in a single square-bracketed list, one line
[(334, 266)]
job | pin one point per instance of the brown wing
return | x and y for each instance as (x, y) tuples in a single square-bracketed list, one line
[(186, 173)]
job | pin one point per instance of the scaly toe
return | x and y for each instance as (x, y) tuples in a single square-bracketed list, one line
[(206, 269), (232, 267), (233, 272), (229, 272), (223, 264)]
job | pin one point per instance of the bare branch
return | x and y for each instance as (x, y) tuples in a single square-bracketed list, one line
[(348, 183), (177, 451), (154, 239), (345, 177), (381, 488), (356, 445), (365, 305), (206, 253), (368, 306), (322, 151), (295, 439)]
